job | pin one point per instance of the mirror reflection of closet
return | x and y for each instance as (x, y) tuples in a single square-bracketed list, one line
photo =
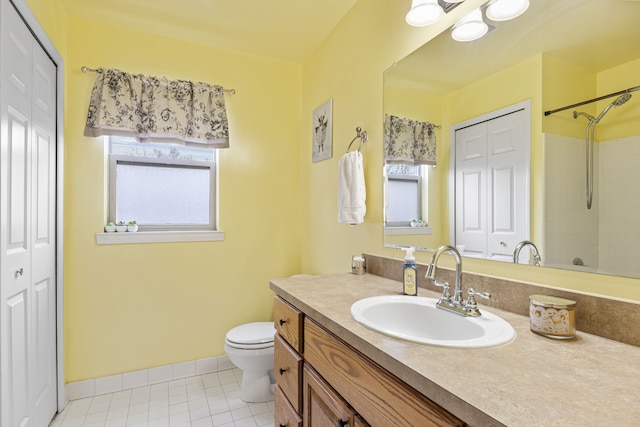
[(490, 184)]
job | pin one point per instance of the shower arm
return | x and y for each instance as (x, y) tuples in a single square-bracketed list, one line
[(600, 98)]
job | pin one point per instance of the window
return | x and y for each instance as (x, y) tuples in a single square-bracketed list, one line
[(162, 186), (406, 194)]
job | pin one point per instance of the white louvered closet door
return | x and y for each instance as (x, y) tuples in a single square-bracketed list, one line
[(27, 227)]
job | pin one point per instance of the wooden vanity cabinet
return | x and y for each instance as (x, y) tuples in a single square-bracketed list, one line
[(332, 384), (378, 396)]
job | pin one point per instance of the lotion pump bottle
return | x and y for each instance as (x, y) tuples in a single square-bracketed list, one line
[(409, 274)]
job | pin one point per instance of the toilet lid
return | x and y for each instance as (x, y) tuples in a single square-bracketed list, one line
[(257, 333)]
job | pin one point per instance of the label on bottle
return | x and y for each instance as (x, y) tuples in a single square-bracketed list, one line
[(409, 281)]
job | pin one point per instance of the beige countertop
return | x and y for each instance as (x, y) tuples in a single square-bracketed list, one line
[(532, 381)]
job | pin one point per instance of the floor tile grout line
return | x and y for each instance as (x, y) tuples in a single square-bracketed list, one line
[(201, 388)]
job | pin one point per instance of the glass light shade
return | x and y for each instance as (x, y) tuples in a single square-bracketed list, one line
[(503, 10), (470, 28), (424, 12)]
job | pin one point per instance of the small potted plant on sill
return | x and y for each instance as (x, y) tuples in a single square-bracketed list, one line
[(121, 227), (110, 227), (132, 226)]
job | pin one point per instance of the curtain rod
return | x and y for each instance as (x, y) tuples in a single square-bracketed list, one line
[(600, 98), (99, 70)]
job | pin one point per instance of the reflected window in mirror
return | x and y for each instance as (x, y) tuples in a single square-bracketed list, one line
[(406, 195)]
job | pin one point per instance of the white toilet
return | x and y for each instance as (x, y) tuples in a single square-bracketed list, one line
[(250, 348)]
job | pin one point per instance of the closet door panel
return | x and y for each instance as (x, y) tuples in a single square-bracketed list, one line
[(17, 366), (43, 239), (27, 217)]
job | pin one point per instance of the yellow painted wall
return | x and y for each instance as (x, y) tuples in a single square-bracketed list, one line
[(53, 19), (348, 67), (564, 84), (130, 307)]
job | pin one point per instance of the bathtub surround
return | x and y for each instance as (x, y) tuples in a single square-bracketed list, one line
[(130, 380), (597, 315), (600, 239)]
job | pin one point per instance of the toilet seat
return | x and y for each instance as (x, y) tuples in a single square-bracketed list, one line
[(252, 336)]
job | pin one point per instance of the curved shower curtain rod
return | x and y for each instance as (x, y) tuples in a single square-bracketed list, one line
[(600, 98)]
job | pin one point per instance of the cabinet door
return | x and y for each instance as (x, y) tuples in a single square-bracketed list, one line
[(359, 422), (323, 407), (284, 414)]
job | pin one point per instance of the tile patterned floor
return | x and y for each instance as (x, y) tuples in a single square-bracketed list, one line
[(201, 401)]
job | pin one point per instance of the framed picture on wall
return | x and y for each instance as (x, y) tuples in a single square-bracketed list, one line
[(322, 129)]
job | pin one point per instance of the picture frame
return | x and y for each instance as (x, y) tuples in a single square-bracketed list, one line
[(322, 132)]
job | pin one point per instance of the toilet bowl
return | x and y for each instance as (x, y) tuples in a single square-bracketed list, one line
[(250, 348)]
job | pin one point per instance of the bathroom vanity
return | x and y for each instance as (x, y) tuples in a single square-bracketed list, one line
[(330, 370)]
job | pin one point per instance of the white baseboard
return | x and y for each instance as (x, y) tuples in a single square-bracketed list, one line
[(114, 383)]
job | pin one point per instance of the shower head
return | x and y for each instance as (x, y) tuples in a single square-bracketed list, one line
[(616, 103), (622, 99)]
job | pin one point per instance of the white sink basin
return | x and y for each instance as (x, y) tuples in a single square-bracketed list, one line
[(418, 319)]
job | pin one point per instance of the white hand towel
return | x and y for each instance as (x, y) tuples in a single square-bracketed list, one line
[(352, 193)]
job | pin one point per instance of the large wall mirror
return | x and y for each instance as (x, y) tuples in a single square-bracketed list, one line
[(581, 173)]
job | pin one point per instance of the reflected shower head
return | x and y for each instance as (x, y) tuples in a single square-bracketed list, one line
[(622, 99), (616, 103)]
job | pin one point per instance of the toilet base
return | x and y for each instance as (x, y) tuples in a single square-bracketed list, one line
[(256, 387)]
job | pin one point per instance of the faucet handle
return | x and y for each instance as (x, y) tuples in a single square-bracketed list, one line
[(446, 295), (470, 305)]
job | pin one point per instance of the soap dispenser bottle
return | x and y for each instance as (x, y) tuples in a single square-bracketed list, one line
[(409, 274)]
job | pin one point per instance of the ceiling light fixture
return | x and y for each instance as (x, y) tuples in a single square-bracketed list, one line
[(424, 12), (470, 28), (503, 10)]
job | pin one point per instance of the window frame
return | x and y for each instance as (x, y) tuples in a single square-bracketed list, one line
[(115, 159)]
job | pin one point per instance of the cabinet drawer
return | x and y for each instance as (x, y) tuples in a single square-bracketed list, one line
[(284, 414), (288, 371), (377, 395), (288, 323)]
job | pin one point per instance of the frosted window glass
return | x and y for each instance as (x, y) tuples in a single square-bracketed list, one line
[(163, 194), (404, 197)]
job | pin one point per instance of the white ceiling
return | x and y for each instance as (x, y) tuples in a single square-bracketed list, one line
[(287, 30)]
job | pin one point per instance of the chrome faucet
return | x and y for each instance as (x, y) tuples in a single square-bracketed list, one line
[(446, 302), (534, 252)]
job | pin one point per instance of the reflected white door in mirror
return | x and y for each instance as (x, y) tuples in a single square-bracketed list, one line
[(490, 185)]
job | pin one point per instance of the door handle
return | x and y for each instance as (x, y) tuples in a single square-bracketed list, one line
[(19, 272)]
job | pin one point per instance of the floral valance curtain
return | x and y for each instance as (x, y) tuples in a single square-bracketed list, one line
[(154, 108), (409, 142)]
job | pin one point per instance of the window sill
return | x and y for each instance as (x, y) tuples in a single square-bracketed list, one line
[(159, 237), (398, 231)]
